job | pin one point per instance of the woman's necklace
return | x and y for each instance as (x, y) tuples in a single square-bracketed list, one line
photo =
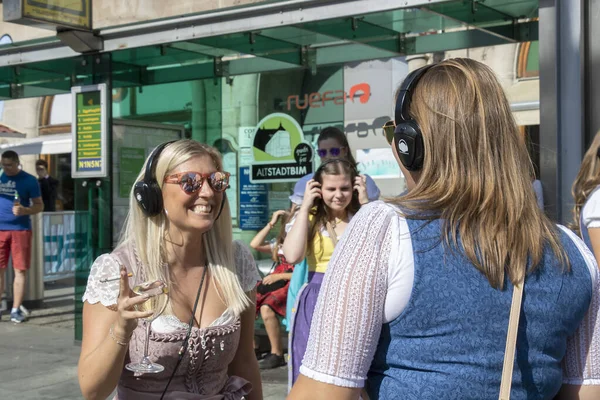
[(335, 222)]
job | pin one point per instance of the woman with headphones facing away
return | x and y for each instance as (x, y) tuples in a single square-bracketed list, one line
[(178, 231), (330, 201), (417, 298)]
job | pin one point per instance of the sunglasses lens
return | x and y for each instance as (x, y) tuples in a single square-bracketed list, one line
[(322, 152), (334, 151), (389, 129), (219, 181), (191, 183)]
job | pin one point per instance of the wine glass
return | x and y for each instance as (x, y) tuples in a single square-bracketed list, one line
[(158, 292)]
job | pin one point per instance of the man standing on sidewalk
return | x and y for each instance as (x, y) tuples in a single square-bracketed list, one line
[(48, 185), (19, 198)]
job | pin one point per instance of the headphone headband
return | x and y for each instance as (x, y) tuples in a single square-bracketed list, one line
[(336, 160), (152, 159), (405, 93), (147, 191)]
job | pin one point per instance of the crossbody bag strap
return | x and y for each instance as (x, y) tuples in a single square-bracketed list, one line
[(511, 342), (332, 233)]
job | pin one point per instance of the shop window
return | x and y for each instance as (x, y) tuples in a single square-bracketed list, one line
[(528, 61), (55, 118)]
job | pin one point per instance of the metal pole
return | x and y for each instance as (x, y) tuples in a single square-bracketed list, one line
[(549, 115), (591, 25), (561, 105)]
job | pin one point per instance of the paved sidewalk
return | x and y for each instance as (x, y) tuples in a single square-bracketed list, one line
[(38, 359)]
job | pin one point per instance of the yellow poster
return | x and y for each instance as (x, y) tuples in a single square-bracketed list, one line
[(74, 13)]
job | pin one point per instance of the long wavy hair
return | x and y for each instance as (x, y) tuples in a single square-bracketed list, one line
[(477, 174), (147, 234), (321, 211), (586, 181)]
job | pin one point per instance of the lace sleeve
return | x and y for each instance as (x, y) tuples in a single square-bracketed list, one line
[(349, 314), (591, 210), (105, 266), (246, 267)]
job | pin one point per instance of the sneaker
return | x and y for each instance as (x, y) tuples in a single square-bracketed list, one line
[(24, 311), (17, 316), (271, 361), (259, 354)]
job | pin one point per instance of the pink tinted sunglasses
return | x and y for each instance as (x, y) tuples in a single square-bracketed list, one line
[(191, 182)]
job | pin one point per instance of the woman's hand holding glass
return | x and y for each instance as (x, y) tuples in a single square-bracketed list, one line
[(312, 192), (126, 308), (146, 301)]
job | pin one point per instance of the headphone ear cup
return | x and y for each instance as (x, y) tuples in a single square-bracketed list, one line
[(149, 198), (409, 145)]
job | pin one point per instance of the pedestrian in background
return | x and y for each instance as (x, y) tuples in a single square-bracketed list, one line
[(19, 199), (332, 144), (272, 292), (331, 200), (48, 185)]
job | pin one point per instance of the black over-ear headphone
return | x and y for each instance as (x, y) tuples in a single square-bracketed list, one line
[(147, 192), (408, 138)]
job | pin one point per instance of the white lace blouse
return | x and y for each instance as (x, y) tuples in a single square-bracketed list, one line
[(368, 283), (107, 266), (591, 210), (587, 338)]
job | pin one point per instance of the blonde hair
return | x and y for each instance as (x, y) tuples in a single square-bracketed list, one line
[(586, 181), (477, 175), (147, 234)]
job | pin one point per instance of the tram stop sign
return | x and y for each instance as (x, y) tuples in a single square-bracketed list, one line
[(50, 14)]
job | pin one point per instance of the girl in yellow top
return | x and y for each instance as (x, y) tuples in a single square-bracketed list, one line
[(331, 199)]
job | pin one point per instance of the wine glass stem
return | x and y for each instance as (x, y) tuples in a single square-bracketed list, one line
[(148, 323)]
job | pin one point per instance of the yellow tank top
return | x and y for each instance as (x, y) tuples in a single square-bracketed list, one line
[(319, 254)]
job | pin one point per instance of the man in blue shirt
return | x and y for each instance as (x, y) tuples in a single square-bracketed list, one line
[(19, 198)]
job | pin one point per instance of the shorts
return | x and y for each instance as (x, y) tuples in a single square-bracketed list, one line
[(17, 244)]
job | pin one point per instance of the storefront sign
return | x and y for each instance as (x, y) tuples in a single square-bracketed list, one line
[(279, 150), (51, 14), (89, 127), (131, 161), (245, 138), (254, 203), (339, 97)]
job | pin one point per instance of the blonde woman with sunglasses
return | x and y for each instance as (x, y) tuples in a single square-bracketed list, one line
[(417, 297), (178, 231)]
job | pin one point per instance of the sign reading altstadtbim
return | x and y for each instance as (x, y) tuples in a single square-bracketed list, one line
[(279, 151)]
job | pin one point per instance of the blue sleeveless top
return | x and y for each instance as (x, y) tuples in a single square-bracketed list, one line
[(449, 341)]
